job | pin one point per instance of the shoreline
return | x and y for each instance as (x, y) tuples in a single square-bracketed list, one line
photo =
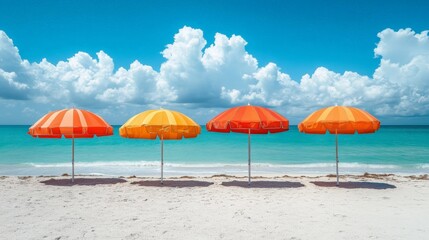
[(174, 170), (369, 175), (366, 177)]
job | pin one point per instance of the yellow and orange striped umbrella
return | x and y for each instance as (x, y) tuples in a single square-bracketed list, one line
[(249, 120), (164, 124), (339, 120), (70, 123)]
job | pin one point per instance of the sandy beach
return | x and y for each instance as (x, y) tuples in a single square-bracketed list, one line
[(216, 207)]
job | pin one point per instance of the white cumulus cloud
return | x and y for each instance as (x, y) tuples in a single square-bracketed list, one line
[(220, 75), (402, 46), (14, 81), (403, 72)]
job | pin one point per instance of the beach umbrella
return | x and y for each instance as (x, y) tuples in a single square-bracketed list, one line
[(339, 120), (70, 123), (164, 124), (248, 120)]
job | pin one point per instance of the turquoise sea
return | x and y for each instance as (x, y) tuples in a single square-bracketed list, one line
[(392, 149)]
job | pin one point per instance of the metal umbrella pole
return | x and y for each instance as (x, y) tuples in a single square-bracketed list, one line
[(162, 159), (336, 153), (248, 152), (72, 159)]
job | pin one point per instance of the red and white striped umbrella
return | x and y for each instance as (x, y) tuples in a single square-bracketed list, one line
[(70, 123)]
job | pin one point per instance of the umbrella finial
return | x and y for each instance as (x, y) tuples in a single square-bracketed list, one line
[(248, 104)]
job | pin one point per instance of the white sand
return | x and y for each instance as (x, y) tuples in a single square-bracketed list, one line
[(30, 209)]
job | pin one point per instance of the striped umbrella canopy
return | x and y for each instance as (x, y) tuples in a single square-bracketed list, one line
[(249, 120), (164, 124), (339, 120), (70, 123)]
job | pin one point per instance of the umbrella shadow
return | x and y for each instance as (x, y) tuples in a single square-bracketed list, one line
[(175, 184), (263, 184), (355, 185), (82, 181)]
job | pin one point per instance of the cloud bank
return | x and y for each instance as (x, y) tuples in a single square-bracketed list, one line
[(221, 75)]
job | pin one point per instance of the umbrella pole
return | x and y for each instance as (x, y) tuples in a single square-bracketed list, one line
[(248, 152), (162, 159), (73, 159), (336, 153)]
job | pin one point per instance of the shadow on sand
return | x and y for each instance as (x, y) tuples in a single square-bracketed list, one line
[(83, 181), (171, 183), (352, 185), (263, 184)]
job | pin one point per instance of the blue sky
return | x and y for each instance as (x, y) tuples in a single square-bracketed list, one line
[(318, 38)]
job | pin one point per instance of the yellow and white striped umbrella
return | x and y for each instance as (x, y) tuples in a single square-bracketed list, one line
[(162, 123)]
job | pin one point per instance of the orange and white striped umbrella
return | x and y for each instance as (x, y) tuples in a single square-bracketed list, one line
[(70, 123), (339, 120), (164, 124)]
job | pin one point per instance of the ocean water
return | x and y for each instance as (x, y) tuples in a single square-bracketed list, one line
[(392, 149)]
